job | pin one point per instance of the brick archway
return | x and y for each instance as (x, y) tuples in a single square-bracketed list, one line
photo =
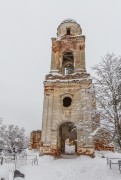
[(67, 136)]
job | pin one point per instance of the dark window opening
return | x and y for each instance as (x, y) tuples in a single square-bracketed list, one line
[(68, 63), (67, 101), (68, 31)]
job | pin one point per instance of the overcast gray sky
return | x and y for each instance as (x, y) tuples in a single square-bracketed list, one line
[(26, 28)]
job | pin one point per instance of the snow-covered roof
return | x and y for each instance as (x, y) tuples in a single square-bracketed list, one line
[(68, 20)]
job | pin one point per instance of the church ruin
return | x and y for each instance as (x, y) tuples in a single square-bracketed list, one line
[(35, 140), (69, 100)]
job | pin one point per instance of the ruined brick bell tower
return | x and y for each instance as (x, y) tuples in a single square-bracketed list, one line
[(69, 99)]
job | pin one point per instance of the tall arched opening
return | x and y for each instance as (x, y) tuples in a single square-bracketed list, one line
[(68, 138), (68, 63)]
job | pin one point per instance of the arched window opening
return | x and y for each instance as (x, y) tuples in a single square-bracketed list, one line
[(67, 101), (68, 63), (68, 31)]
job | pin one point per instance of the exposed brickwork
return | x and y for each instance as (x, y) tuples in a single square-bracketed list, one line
[(68, 51), (35, 140)]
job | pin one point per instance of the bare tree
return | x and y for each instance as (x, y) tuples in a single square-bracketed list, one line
[(108, 93)]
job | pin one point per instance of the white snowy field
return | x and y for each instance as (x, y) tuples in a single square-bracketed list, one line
[(80, 168)]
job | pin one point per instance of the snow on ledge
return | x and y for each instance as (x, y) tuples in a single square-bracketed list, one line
[(66, 80)]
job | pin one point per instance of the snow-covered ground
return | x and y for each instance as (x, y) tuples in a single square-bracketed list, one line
[(4, 173), (80, 168)]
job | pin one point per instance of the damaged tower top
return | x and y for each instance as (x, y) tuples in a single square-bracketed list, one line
[(69, 27)]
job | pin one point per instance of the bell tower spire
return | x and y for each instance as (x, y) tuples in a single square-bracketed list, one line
[(68, 49)]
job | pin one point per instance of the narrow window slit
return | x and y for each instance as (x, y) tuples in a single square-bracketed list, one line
[(68, 31)]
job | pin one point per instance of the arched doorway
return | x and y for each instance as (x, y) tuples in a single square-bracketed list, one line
[(68, 138), (68, 63)]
